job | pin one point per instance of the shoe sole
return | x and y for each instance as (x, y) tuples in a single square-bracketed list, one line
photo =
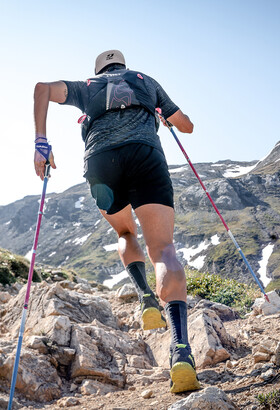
[(183, 377), (152, 319)]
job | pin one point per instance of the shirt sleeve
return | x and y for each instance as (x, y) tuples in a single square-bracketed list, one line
[(77, 94), (167, 106)]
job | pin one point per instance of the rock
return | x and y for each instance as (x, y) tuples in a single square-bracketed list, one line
[(38, 343), (37, 379), (229, 364), (4, 404), (210, 398), (101, 352), (68, 402), (261, 357), (73, 387), (4, 297), (50, 301), (89, 387), (56, 328), (207, 336), (63, 355), (138, 362), (265, 347), (84, 288), (261, 306), (159, 344), (126, 292), (146, 394), (269, 374), (224, 312), (192, 301)]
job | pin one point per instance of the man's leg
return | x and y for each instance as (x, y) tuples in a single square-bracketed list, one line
[(133, 260), (157, 222)]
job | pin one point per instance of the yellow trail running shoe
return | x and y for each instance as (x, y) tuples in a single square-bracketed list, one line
[(151, 315), (183, 373)]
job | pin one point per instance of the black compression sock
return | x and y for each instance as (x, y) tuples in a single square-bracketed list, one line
[(137, 274), (177, 314)]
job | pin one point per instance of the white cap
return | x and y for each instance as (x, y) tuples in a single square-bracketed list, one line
[(108, 57)]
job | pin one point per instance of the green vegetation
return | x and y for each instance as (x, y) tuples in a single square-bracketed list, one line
[(222, 290), (14, 268), (273, 285), (269, 400)]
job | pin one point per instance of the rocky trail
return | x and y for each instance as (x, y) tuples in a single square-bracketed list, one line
[(84, 348)]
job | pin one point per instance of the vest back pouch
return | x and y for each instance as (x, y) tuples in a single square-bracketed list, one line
[(115, 91)]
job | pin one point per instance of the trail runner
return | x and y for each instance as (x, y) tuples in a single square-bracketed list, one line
[(126, 169)]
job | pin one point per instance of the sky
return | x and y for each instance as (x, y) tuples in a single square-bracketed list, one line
[(218, 60)]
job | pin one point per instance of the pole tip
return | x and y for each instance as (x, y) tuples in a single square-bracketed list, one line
[(266, 298)]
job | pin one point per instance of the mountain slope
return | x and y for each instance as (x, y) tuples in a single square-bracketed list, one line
[(74, 235)]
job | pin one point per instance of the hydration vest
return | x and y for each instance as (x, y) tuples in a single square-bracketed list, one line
[(115, 90)]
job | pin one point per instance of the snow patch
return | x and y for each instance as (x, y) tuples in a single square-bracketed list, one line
[(112, 247), (215, 239), (29, 255), (51, 254), (80, 241), (109, 230), (97, 222), (198, 262), (76, 223), (79, 204), (173, 171), (115, 279), (238, 171), (266, 253), (8, 223), (189, 253)]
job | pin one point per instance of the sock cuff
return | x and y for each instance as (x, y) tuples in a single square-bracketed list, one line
[(175, 302), (135, 263)]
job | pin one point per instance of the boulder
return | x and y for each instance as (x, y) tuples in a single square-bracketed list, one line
[(52, 303), (37, 379), (102, 352), (261, 306), (89, 387), (224, 312), (126, 292), (211, 398), (4, 297), (207, 337)]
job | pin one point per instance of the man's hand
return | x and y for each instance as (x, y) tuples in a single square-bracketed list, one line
[(40, 162)]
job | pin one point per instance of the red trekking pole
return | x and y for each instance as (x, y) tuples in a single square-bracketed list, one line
[(29, 281), (167, 123)]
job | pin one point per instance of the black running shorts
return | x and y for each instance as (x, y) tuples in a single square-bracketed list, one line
[(135, 174)]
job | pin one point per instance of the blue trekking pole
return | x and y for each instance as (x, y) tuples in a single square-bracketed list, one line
[(170, 127), (29, 281)]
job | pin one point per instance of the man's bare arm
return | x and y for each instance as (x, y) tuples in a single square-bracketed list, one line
[(181, 122), (43, 93)]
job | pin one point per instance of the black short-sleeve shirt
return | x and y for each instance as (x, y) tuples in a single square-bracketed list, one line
[(116, 128)]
